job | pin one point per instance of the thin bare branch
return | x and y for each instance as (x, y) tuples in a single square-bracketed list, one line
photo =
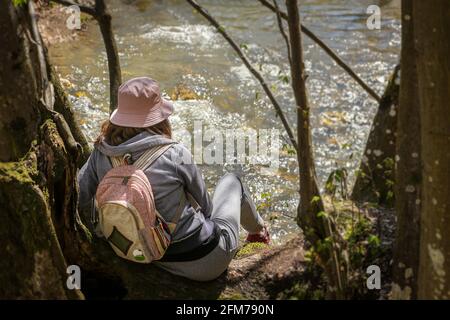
[(282, 31), (328, 50), (249, 66)]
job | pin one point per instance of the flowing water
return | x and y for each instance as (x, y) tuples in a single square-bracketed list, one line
[(168, 41)]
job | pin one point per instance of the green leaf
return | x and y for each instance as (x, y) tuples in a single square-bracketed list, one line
[(390, 183), (322, 214), (374, 240), (390, 195), (265, 195), (284, 78), (346, 146), (315, 199), (18, 3), (389, 163)]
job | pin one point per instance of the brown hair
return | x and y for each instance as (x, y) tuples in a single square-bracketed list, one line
[(115, 135)]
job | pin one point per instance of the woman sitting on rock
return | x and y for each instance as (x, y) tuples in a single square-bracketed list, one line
[(202, 234)]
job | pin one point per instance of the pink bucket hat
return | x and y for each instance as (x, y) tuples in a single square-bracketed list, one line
[(140, 104)]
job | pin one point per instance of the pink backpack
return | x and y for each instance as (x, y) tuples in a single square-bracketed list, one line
[(128, 218)]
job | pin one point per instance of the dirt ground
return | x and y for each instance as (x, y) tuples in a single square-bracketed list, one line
[(265, 273)]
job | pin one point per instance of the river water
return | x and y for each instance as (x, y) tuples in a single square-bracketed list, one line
[(168, 41)]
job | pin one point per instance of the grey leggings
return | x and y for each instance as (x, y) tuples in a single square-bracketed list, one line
[(232, 206)]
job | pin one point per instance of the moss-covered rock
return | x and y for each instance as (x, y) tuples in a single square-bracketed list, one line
[(26, 238)]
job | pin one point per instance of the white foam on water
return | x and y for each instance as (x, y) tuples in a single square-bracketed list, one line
[(202, 36)]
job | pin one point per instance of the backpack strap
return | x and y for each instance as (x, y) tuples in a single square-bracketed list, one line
[(185, 197), (117, 161), (144, 161), (193, 202), (151, 155)]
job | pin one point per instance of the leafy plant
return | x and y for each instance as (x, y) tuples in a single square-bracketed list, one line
[(266, 198), (289, 149), (337, 182), (244, 46), (284, 78)]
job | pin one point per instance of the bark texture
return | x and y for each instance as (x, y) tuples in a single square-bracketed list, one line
[(375, 177), (432, 34), (35, 158), (18, 125), (408, 167)]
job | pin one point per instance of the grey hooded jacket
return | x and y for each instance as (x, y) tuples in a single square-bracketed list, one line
[(172, 173)]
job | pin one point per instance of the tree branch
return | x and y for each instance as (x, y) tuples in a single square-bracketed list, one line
[(328, 50), (282, 31), (115, 75), (249, 66)]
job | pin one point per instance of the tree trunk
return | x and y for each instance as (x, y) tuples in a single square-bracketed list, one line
[(36, 157), (311, 216), (309, 205), (408, 167), (432, 34), (375, 177)]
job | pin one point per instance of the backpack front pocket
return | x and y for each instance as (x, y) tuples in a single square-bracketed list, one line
[(121, 227)]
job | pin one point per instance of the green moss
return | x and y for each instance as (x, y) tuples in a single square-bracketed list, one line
[(14, 171), (251, 248), (25, 222), (49, 125)]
